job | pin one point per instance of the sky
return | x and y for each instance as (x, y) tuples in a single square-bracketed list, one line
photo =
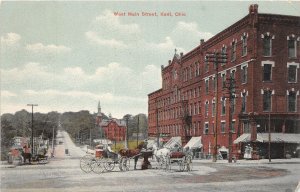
[(68, 56)]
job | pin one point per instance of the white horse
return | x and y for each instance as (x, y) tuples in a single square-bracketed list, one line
[(161, 154)]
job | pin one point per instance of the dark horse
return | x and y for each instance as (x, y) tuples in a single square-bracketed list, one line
[(135, 153), (26, 156)]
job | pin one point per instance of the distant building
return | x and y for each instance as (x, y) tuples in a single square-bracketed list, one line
[(112, 128), (263, 58)]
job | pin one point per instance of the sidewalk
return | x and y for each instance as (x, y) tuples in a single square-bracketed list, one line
[(260, 161)]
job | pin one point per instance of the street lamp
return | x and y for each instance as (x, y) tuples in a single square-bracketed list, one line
[(32, 105)]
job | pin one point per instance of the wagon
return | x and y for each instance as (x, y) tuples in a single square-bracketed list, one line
[(101, 162), (182, 159)]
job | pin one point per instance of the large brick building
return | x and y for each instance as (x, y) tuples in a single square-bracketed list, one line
[(263, 56), (113, 129)]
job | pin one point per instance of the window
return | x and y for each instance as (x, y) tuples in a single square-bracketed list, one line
[(244, 44), (267, 72), (213, 108), (292, 46), (292, 101), (223, 102), (244, 101), (223, 125), (214, 83), (206, 64), (267, 44), (206, 128), (206, 109), (223, 51), (206, 86), (232, 129), (267, 100), (223, 80), (246, 127), (292, 72), (233, 50), (244, 73), (232, 79)]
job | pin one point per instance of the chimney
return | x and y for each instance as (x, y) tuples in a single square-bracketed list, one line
[(253, 9), (181, 54), (169, 62), (201, 41)]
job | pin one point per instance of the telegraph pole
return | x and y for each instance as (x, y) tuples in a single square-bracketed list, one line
[(157, 128), (138, 129), (126, 142), (32, 105), (216, 58), (231, 95)]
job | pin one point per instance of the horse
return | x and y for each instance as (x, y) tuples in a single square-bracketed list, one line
[(136, 153), (161, 154), (26, 156)]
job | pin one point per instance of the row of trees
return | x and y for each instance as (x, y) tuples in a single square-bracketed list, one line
[(19, 124), (75, 123)]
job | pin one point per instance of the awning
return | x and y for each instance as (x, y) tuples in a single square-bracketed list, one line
[(244, 138), (172, 142), (275, 138), (223, 149), (194, 142)]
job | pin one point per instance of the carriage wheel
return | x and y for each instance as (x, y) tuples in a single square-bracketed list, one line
[(125, 164), (98, 166), (109, 164), (85, 163), (189, 163), (18, 160)]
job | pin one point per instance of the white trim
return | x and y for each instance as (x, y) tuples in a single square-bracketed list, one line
[(223, 121), (293, 63), (225, 70), (244, 64), (268, 62), (233, 120), (233, 69)]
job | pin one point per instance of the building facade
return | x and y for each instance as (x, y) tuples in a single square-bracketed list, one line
[(112, 128), (258, 56)]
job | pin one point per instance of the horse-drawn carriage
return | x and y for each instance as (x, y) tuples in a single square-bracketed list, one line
[(106, 160), (19, 155), (172, 154)]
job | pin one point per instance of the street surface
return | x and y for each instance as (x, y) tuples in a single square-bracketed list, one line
[(63, 173)]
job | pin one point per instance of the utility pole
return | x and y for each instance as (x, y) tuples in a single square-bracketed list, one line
[(216, 58), (32, 105), (138, 129), (126, 136), (157, 128), (269, 131), (231, 95)]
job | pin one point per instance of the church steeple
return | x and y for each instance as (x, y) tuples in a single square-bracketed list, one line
[(99, 108), (99, 114)]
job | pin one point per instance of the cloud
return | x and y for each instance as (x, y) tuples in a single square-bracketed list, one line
[(95, 38), (7, 94), (10, 39), (40, 48), (190, 41)]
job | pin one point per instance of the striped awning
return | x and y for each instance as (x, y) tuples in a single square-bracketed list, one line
[(173, 142)]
